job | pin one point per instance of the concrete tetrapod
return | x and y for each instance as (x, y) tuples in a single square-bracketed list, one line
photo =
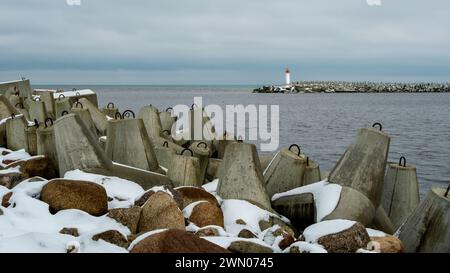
[(222, 143), (300, 209), (286, 171), (150, 116), (85, 116), (164, 154), (400, 192), (129, 144), (22, 86), (15, 100), (99, 118), (62, 104), (46, 142), (159, 141), (240, 176), (6, 110), (167, 120), (16, 137), (427, 229), (185, 170), (110, 110), (77, 148), (202, 151), (312, 172), (37, 110), (363, 164), (49, 102)]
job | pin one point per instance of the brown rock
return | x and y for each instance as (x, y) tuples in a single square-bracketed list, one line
[(175, 194), (207, 232), (245, 233), (347, 241), (241, 222), (192, 194), (387, 244), (71, 194), (127, 216), (10, 180), (176, 241), (37, 166), (5, 199), (248, 247), (286, 242), (206, 214), (70, 231), (161, 211), (263, 225), (113, 237)]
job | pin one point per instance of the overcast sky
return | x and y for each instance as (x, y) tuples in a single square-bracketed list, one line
[(223, 41)]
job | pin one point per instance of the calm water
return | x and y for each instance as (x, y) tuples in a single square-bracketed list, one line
[(325, 124)]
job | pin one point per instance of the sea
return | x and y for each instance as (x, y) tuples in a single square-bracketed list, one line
[(322, 124)]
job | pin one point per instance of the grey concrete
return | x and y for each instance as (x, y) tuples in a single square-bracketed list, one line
[(312, 172), (23, 86), (185, 171), (427, 229), (144, 178), (128, 143), (14, 100), (285, 172), (110, 110), (265, 160), (400, 193), (46, 143), (49, 102), (362, 166), (167, 120), (240, 175), (98, 117), (6, 109), (86, 117), (299, 209), (159, 141), (213, 167), (165, 155), (75, 95), (16, 137), (353, 205), (382, 222), (202, 151), (221, 144), (31, 148), (62, 104), (150, 116), (37, 110)]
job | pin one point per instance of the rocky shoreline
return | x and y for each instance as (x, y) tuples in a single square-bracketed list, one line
[(79, 178), (355, 87)]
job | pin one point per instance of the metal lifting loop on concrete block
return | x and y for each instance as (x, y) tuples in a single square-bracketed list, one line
[(19, 104), (448, 190), (77, 93), (296, 146), (110, 105), (402, 161), (187, 149), (307, 161), (61, 96), (78, 103), (118, 116), (13, 116), (46, 122), (74, 89), (166, 144), (240, 139), (192, 106), (37, 99), (63, 113), (36, 123), (379, 126), (170, 109), (128, 114), (202, 143)]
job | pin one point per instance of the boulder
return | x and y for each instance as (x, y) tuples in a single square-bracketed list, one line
[(176, 241), (263, 225), (175, 195), (10, 180), (208, 231), (206, 214), (5, 199), (113, 237), (40, 166), (128, 217), (248, 247), (161, 211), (192, 194), (245, 233), (346, 241), (62, 194), (387, 244), (70, 231)]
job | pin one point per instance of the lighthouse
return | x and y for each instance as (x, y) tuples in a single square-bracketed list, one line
[(288, 76)]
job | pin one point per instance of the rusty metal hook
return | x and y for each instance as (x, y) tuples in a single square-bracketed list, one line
[(61, 96), (307, 161), (204, 143), (48, 119), (63, 113), (36, 123), (13, 116), (166, 144), (448, 190), (118, 116), (37, 99), (192, 106), (240, 140), (298, 148), (110, 104), (169, 109), (379, 125), (187, 149), (402, 160), (78, 103), (127, 114)]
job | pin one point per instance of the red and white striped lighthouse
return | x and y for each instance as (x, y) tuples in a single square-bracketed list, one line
[(288, 76)]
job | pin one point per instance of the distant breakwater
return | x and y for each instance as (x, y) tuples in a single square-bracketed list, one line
[(355, 87)]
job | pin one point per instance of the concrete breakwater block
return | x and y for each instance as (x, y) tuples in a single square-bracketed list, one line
[(16, 137), (164, 154), (99, 118), (300, 209), (362, 166), (23, 87), (221, 144), (202, 151), (37, 110), (150, 116), (110, 110), (47, 98), (427, 229), (286, 171), (167, 120), (400, 192), (6, 110), (62, 105), (128, 143), (184, 170), (312, 172), (240, 175), (85, 115), (46, 142)]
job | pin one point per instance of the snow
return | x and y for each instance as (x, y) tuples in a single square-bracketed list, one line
[(187, 211), (375, 233), (145, 235), (10, 171), (13, 156), (305, 247), (28, 226), (239, 209), (326, 196), (154, 189), (74, 93), (3, 121), (316, 231), (124, 192)]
